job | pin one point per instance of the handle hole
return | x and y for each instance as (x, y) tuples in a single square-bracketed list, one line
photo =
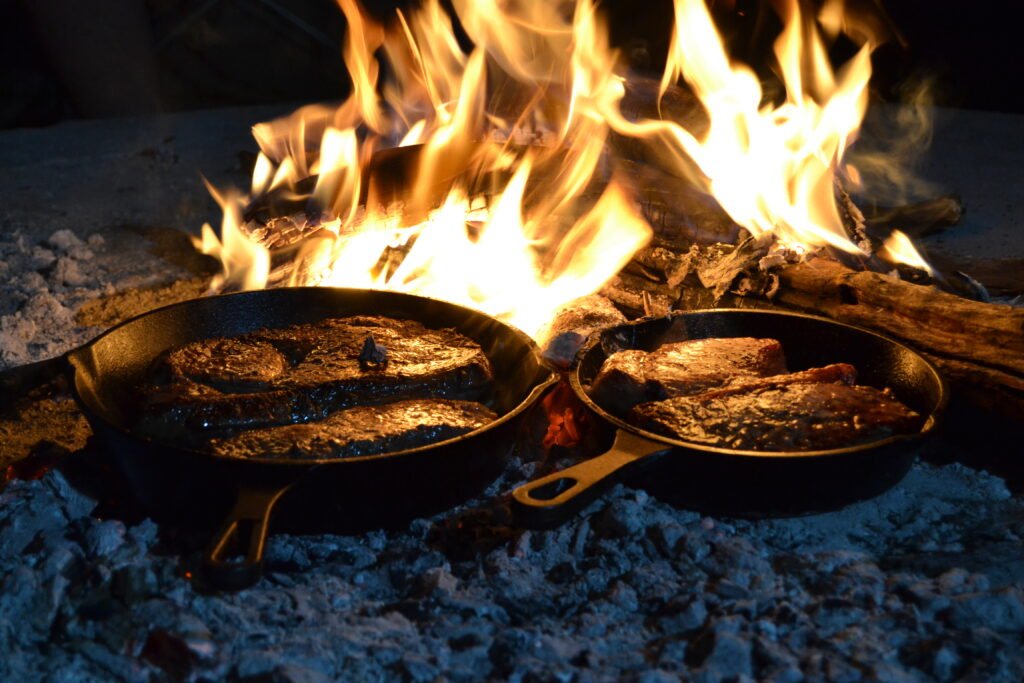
[(553, 489), (233, 549)]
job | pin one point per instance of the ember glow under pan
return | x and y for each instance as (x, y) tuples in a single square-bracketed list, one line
[(735, 482), (178, 483)]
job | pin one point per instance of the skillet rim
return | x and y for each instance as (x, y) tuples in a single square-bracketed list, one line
[(930, 423), (78, 361)]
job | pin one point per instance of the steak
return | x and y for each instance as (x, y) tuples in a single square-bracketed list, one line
[(363, 430), (836, 372), (305, 372), (230, 365), (781, 417), (682, 368)]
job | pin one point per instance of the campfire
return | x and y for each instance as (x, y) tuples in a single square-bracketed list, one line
[(453, 312), (519, 194), (531, 169)]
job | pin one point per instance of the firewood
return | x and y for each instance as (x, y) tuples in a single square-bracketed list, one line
[(573, 323), (637, 296), (922, 219), (947, 326)]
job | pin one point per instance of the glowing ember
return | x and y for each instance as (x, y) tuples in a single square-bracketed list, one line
[(517, 230)]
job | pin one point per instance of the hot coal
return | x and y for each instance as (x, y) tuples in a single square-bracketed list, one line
[(784, 417), (363, 430), (682, 368), (304, 372)]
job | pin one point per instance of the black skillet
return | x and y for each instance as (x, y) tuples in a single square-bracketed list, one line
[(746, 483), (181, 485)]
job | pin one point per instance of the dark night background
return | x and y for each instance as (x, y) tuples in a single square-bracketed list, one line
[(66, 59)]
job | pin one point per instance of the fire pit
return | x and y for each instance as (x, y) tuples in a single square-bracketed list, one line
[(529, 177)]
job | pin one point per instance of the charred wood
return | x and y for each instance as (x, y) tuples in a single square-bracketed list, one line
[(916, 220), (573, 323)]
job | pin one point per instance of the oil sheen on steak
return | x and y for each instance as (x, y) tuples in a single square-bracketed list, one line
[(363, 430), (305, 372), (787, 417), (682, 368)]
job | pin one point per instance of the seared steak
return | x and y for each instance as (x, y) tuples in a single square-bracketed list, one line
[(836, 372), (681, 369), (228, 364), (364, 430), (786, 417), (305, 372)]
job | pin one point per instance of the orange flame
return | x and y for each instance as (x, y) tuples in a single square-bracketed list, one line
[(898, 248), (514, 229), (771, 167)]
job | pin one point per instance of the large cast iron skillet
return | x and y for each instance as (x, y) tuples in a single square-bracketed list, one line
[(748, 483), (179, 484)]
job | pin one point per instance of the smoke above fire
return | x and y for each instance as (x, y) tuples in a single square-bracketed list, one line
[(510, 201)]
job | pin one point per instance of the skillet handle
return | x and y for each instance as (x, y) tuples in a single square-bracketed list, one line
[(16, 383), (550, 500), (234, 558)]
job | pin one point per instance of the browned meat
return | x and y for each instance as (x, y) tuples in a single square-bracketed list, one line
[(681, 369), (836, 372), (787, 417), (364, 430), (305, 372), (228, 364)]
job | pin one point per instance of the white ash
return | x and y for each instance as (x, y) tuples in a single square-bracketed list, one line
[(43, 284), (632, 589)]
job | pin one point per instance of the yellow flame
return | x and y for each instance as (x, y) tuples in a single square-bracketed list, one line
[(772, 167), (246, 264), (513, 207), (898, 248)]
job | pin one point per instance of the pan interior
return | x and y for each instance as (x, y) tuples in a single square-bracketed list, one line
[(807, 342), (111, 367)]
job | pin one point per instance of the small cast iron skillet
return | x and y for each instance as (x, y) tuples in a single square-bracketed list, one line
[(735, 482), (190, 486)]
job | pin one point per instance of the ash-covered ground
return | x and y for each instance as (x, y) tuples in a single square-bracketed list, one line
[(923, 583)]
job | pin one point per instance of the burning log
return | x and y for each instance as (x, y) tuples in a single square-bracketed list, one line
[(573, 323), (922, 219), (678, 212)]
